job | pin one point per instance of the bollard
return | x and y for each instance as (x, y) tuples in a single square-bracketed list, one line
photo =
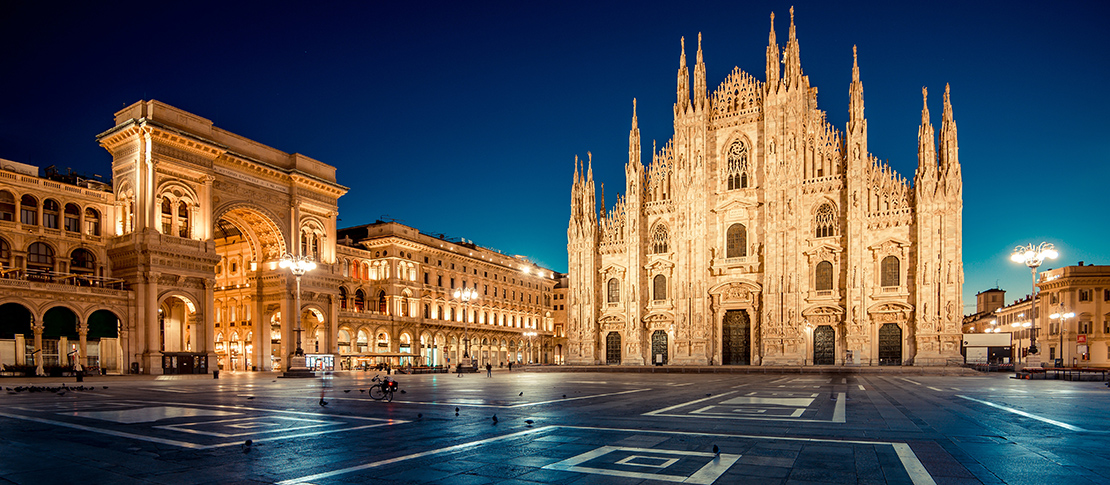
[(216, 374), (80, 376)]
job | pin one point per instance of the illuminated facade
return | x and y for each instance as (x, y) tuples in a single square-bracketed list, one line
[(173, 268), (762, 235)]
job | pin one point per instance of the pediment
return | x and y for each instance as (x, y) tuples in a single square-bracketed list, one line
[(889, 245), (612, 270), (733, 203), (659, 265)]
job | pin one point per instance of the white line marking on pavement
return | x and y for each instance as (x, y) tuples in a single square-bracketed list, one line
[(364, 466), (954, 388), (935, 389), (706, 475), (120, 434), (1023, 413), (913, 466), (861, 387), (676, 406), (838, 412), (685, 384), (912, 382), (503, 406)]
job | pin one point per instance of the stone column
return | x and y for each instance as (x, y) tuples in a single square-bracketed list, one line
[(83, 343), (37, 328)]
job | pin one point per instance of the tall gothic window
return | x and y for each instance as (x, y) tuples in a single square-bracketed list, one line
[(167, 216), (823, 277), (614, 290), (890, 271), (736, 241), (182, 220), (659, 287), (659, 240), (381, 302), (360, 300), (342, 298), (825, 221), (738, 167)]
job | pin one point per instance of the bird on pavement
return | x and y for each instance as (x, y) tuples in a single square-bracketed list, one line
[(529, 422), (247, 446), (564, 396), (361, 390), (708, 394), (494, 419), (323, 402), (250, 397), (419, 415), (716, 451), (346, 391), (521, 393)]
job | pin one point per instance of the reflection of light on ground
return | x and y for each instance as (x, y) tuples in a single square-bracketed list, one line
[(145, 415)]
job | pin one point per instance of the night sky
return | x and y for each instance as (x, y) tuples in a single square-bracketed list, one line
[(464, 118)]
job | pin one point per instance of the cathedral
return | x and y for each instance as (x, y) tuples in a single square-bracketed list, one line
[(760, 234)]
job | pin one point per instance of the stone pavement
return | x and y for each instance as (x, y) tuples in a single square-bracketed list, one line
[(558, 427)]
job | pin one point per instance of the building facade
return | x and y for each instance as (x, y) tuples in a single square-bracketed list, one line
[(760, 234), (174, 266), (1083, 292)]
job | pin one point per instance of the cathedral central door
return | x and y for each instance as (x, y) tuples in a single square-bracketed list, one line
[(659, 347), (613, 348), (890, 344), (824, 345), (736, 338)]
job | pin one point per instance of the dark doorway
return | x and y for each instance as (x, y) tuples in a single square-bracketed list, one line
[(736, 344), (824, 345), (659, 347), (890, 344), (613, 348)]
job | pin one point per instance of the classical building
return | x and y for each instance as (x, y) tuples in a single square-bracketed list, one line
[(760, 234), (1083, 292), (174, 266)]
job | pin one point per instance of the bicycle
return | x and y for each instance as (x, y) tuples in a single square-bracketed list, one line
[(383, 389)]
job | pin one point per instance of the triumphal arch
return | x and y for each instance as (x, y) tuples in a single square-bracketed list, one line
[(202, 218)]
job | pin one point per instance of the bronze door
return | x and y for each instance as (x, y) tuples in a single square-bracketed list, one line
[(613, 348), (736, 338), (824, 345), (890, 344), (659, 347)]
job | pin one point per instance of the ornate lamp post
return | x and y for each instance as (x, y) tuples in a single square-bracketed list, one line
[(531, 350), (465, 295), (1063, 317), (298, 265), (1033, 256)]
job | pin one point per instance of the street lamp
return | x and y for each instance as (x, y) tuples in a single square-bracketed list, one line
[(298, 265), (466, 294), (530, 349), (1063, 317), (1033, 257)]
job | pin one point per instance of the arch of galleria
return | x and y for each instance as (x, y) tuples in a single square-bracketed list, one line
[(174, 266), (762, 235)]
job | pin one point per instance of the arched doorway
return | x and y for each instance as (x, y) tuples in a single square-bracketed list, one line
[(175, 324), (890, 344), (102, 342), (59, 336), (659, 347), (736, 341), (824, 345), (613, 348)]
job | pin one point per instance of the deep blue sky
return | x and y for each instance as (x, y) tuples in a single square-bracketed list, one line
[(464, 118)]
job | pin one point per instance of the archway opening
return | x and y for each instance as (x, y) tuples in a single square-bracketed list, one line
[(736, 342), (102, 349), (659, 347), (613, 348), (890, 344), (824, 345)]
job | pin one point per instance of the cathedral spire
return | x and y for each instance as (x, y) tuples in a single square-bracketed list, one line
[(855, 97), (634, 141), (699, 79), (949, 147), (926, 151), (773, 60), (683, 90), (791, 58)]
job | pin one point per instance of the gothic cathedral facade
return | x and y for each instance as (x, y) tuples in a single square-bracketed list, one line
[(762, 235)]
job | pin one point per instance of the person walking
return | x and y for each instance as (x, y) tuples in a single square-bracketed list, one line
[(489, 369), (510, 366)]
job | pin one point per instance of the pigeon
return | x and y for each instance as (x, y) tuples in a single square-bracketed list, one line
[(716, 451), (247, 446), (521, 393), (419, 415), (345, 391), (250, 397), (456, 410), (494, 419), (564, 396), (708, 394), (105, 387), (361, 391), (323, 402), (403, 391), (529, 422)]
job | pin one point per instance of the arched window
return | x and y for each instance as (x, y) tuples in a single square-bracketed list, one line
[(404, 306), (50, 214), (659, 287), (736, 240), (315, 251), (5, 254), (824, 275), (40, 256), (7, 206), (890, 270), (29, 210), (167, 216), (182, 220), (738, 167), (614, 290), (360, 300), (825, 221), (342, 298), (381, 302), (73, 218), (82, 261), (659, 239)]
